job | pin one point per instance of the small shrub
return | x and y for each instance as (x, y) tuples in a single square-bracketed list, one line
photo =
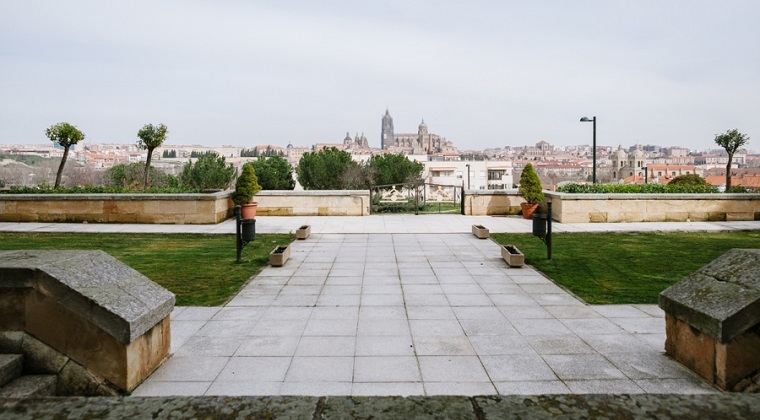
[(738, 189), (530, 186), (246, 187), (131, 176), (690, 179)]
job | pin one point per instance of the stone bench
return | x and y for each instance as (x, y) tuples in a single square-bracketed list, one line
[(712, 318), (90, 307)]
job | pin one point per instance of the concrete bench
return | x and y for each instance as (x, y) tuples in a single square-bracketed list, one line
[(90, 307)]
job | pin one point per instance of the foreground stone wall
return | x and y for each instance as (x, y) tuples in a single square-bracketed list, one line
[(616, 208), (117, 208), (91, 308), (313, 203)]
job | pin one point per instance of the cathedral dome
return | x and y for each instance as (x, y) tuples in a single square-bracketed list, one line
[(422, 124)]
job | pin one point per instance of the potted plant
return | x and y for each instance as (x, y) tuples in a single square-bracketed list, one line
[(246, 187), (530, 190)]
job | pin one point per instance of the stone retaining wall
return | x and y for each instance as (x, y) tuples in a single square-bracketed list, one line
[(117, 208), (491, 202), (313, 203), (615, 208)]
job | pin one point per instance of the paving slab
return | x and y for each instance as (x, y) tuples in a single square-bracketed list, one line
[(400, 305)]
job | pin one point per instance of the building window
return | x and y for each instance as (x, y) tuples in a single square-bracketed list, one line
[(459, 174)]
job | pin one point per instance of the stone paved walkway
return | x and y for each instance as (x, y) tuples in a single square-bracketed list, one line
[(405, 305)]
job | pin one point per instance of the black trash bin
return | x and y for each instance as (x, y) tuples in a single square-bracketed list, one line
[(539, 224), (248, 227)]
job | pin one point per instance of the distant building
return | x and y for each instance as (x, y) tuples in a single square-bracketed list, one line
[(421, 143)]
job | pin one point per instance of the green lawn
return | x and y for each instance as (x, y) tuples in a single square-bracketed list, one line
[(605, 268), (199, 269)]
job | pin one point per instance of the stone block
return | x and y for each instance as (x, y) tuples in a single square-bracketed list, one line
[(92, 308), (722, 298), (713, 318)]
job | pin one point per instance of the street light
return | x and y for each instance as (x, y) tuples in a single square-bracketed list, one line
[(468, 175), (593, 170)]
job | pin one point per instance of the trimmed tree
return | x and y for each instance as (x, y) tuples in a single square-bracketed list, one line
[(274, 173), (150, 137), (530, 186), (65, 135), (731, 141), (246, 187)]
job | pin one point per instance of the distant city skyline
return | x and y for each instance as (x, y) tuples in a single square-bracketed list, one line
[(484, 74)]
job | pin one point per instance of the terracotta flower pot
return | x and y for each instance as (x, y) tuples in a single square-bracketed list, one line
[(528, 210), (248, 211)]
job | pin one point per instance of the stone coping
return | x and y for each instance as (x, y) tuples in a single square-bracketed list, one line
[(721, 299), (92, 284), (661, 406), (120, 196), (314, 193)]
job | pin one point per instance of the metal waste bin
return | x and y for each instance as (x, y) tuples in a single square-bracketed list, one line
[(248, 229), (539, 224)]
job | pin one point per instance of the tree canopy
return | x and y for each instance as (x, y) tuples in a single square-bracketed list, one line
[(391, 169), (150, 137), (323, 170), (274, 173), (731, 141), (208, 172), (65, 135)]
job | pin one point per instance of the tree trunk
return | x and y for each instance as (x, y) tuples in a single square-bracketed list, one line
[(147, 169), (728, 171), (60, 168)]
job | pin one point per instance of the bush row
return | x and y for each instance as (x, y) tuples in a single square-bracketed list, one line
[(644, 189)]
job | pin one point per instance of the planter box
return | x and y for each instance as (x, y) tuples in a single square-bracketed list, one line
[(303, 232), (512, 256), (279, 255), (480, 231)]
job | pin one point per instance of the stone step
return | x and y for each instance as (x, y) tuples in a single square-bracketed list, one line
[(30, 386), (11, 366)]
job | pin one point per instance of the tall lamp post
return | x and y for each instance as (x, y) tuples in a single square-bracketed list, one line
[(593, 169)]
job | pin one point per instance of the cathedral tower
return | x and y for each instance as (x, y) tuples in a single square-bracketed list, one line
[(386, 134)]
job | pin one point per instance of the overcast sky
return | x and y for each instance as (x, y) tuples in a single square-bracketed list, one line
[(481, 73)]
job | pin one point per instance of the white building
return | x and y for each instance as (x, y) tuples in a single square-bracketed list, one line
[(473, 175)]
